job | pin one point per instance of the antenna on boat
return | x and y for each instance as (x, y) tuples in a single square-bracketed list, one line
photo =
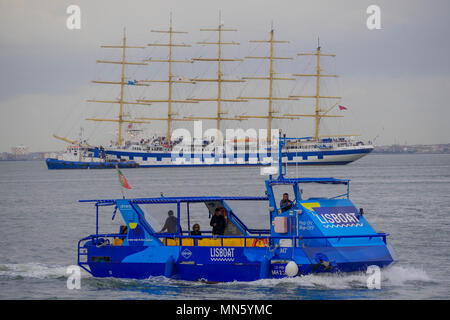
[(281, 143)]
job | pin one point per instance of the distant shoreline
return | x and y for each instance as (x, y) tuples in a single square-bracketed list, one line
[(414, 149), (32, 156), (415, 153)]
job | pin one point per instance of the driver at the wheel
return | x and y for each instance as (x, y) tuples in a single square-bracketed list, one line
[(285, 203)]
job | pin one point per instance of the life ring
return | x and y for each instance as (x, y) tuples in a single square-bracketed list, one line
[(264, 241)]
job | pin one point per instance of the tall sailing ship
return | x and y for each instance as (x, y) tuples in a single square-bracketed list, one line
[(170, 149)]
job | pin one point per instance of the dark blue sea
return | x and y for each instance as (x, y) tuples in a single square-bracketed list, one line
[(407, 196)]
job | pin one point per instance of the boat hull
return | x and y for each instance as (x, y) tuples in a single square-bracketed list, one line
[(227, 264), (318, 157), (53, 164), (158, 159)]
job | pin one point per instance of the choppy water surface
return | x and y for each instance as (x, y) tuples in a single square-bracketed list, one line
[(407, 196)]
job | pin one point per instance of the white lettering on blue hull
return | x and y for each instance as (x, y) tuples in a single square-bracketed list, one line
[(221, 254)]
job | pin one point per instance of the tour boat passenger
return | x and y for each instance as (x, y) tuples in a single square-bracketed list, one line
[(218, 223)]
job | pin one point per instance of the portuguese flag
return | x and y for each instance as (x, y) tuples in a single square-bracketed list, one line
[(123, 180)]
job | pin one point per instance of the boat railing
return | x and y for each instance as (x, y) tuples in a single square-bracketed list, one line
[(298, 241), (259, 240), (98, 240)]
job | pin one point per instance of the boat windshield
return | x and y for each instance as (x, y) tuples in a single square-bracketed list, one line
[(243, 215), (325, 191), (305, 188)]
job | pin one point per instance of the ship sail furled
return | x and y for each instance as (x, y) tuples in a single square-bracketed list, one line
[(220, 76), (122, 116), (271, 77), (319, 113), (170, 80)]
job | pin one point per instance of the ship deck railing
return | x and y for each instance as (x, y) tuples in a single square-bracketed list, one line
[(259, 240)]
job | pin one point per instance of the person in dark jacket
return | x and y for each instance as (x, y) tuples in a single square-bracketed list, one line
[(285, 203), (218, 223), (171, 223)]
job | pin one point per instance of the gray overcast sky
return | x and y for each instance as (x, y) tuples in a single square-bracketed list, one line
[(394, 81)]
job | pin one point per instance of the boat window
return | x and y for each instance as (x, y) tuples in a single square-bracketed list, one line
[(198, 213), (106, 224), (254, 214), (278, 192), (156, 215), (315, 190)]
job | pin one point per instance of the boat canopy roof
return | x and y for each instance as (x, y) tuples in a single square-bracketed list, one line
[(160, 200), (309, 180)]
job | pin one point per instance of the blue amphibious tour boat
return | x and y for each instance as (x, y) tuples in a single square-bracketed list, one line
[(310, 236)]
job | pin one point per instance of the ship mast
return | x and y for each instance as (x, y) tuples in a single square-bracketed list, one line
[(121, 119), (318, 114), (271, 77), (220, 79), (170, 81)]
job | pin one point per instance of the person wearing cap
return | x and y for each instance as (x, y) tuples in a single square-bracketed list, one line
[(171, 223)]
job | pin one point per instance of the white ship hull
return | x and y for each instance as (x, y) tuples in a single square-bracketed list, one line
[(337, 156)]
